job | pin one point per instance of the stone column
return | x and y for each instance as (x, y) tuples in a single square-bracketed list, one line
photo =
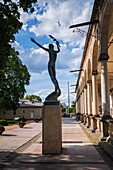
[(104, 86), (76, 106), (82, 95), (79, 104), (111, 102), (89, 85), (105, 94), (85, 94), (85, 104), (95, 105)]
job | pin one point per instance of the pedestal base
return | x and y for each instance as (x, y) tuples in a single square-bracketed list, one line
[(52, 128)]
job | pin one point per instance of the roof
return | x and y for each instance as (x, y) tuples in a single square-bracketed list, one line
[(28, 103)]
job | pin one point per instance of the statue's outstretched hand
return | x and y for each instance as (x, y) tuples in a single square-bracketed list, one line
[(57, 42), (32, 39)]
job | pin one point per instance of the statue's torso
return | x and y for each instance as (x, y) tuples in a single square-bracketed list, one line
[(52, 57)]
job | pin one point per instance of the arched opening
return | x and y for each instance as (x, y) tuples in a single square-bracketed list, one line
[(106, 29), (95, 57), (107, 47), (85, 79), (89, 77), (85, 94), (96, 81), (89, 88)]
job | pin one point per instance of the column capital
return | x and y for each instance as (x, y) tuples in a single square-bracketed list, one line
[(111, 91), (103, 56), (94, 72), (85, 87), (89, 81)]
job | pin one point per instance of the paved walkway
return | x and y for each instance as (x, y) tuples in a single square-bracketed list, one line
[(22, 149)]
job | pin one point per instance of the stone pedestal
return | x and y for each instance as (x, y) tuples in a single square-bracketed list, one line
[(85, 120), (88, 121), (52, 128), (93, 124)]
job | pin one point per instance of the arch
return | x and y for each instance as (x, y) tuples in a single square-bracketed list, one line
[(105, 26), (110, 51), (95, 57), (82, 83), (85, 78), (89, 75), (106, 37)]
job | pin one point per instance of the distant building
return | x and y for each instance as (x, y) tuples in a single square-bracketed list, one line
[(63, 104), (29, 109)]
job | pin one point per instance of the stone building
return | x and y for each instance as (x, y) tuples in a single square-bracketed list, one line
[(28, 109), (94, 90)]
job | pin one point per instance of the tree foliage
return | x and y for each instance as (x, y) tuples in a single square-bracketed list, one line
[(13, 74), (14, 78), (73, 107), (33, 96)]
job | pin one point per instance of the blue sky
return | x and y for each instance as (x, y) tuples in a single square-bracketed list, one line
[(53, 17)]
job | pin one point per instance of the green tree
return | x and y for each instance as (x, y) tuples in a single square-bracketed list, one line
[(34, 97), (27, 97), (38, 98), (12, 86), (73, 106), (13, 74)]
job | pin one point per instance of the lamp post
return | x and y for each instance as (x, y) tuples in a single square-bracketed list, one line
[(68, 97)]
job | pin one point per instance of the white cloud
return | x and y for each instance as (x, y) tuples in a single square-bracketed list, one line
[(25, 27), (42, 93), (57, 16)]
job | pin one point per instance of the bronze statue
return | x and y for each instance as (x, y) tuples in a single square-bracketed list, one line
[(51, 68)]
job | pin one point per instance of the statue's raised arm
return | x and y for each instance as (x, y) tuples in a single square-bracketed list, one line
[(58, 47), (33, 40)]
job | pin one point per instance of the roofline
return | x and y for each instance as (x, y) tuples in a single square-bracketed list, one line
[(30, 106), (94, 16)]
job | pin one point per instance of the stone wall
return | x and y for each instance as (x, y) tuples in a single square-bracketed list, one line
[(28, 113)]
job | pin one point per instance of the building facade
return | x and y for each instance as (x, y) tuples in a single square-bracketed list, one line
[(28, 109), (94, 90)]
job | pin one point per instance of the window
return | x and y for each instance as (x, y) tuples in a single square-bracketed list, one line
[(14, 112), (32, 114), (4, 112), (23, 111)]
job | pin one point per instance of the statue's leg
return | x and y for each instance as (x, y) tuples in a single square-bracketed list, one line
[(57, 89), (53, 77)]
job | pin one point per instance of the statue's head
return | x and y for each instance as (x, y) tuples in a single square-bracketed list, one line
[(51, 46)]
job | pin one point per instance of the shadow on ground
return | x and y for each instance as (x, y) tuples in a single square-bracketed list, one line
[(73, 156)]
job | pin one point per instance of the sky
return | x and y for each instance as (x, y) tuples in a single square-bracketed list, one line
[(53, 17)]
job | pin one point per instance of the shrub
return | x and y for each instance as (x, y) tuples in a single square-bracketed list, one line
[(3, 122), (23, 119)]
